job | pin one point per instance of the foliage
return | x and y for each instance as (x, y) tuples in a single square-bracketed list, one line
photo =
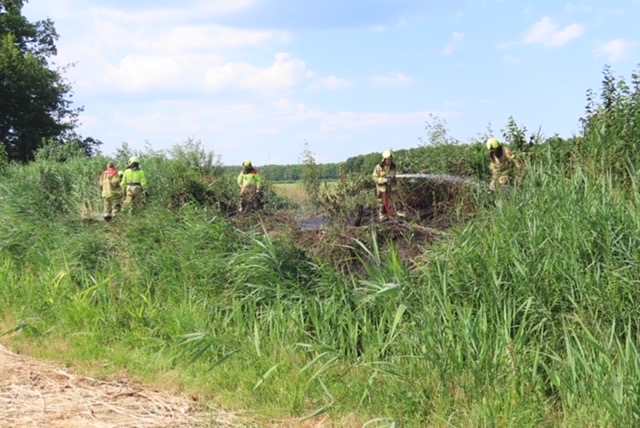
[(515, 136), (344, 200), (310, 175), (52, 150), (124, 152), (288, 173), (611, 128), (36, 102), (437, 132), (4, 157), (195, 157), (363, 164), (465, 160), (528, 314)]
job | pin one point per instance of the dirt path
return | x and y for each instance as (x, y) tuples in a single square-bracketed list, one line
[(37, 394)]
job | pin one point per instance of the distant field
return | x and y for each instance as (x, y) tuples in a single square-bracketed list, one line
[(292, 191), (295, 191)]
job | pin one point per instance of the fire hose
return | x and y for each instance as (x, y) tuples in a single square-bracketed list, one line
[(391, 211)]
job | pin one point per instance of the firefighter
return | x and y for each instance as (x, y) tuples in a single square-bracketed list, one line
[(134, 182), (505, 167), (384, 176), (111, 191), (250, 182)]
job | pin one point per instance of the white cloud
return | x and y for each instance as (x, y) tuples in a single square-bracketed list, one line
[(456, 41), (510, 59), (178, 38), (154, 16), (379, 28), (116, 52), (109, 33), (331, 83), (285, 105), (615, 50), (164, 124), (91, 121), (392, 79), (150, 124), (285, 73), (328, 122), (563, 36), (197, 118), (547, 33), (136, 73), (264, 132), (540, 32), (204, 37), (573, 9), (350, 121), (455, 103)]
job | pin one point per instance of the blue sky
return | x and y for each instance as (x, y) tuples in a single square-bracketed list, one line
[(256, 79)]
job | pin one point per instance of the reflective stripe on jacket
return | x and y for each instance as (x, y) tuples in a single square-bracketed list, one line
[(252, 178), (133, 177), (380, 174)]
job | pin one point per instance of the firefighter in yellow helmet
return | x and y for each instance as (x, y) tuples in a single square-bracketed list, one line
[(111, 190), (505, 167), (134, 182), (384, 175), (250, 182)]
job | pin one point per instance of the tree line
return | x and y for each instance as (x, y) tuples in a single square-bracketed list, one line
[(36, 108), (37, 117)]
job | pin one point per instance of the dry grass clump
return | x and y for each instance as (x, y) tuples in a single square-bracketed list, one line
[(37, 394)]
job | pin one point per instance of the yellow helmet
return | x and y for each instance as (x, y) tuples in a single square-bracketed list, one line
[(493, 143), (247, 163), (387, 154)]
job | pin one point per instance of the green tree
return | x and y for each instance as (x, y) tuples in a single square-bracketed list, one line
[(59, 152), (4, 158), (515, 135), (310, 175), (192, 154), (36, 99), (437, 132)]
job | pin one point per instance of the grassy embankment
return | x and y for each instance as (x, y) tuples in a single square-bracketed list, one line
[(527, 315)]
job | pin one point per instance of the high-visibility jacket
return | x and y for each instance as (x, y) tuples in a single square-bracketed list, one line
[(380, 174), (134, 177), (252, 178)]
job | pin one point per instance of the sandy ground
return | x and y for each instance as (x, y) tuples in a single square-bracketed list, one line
[(38, 394)]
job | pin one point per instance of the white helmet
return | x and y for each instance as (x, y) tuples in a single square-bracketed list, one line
[(134, 159), (387, 154)]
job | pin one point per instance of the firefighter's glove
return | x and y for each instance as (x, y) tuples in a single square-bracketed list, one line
[(388, 181)]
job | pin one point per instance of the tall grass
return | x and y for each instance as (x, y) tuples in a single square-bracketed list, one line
[(526, 315)]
